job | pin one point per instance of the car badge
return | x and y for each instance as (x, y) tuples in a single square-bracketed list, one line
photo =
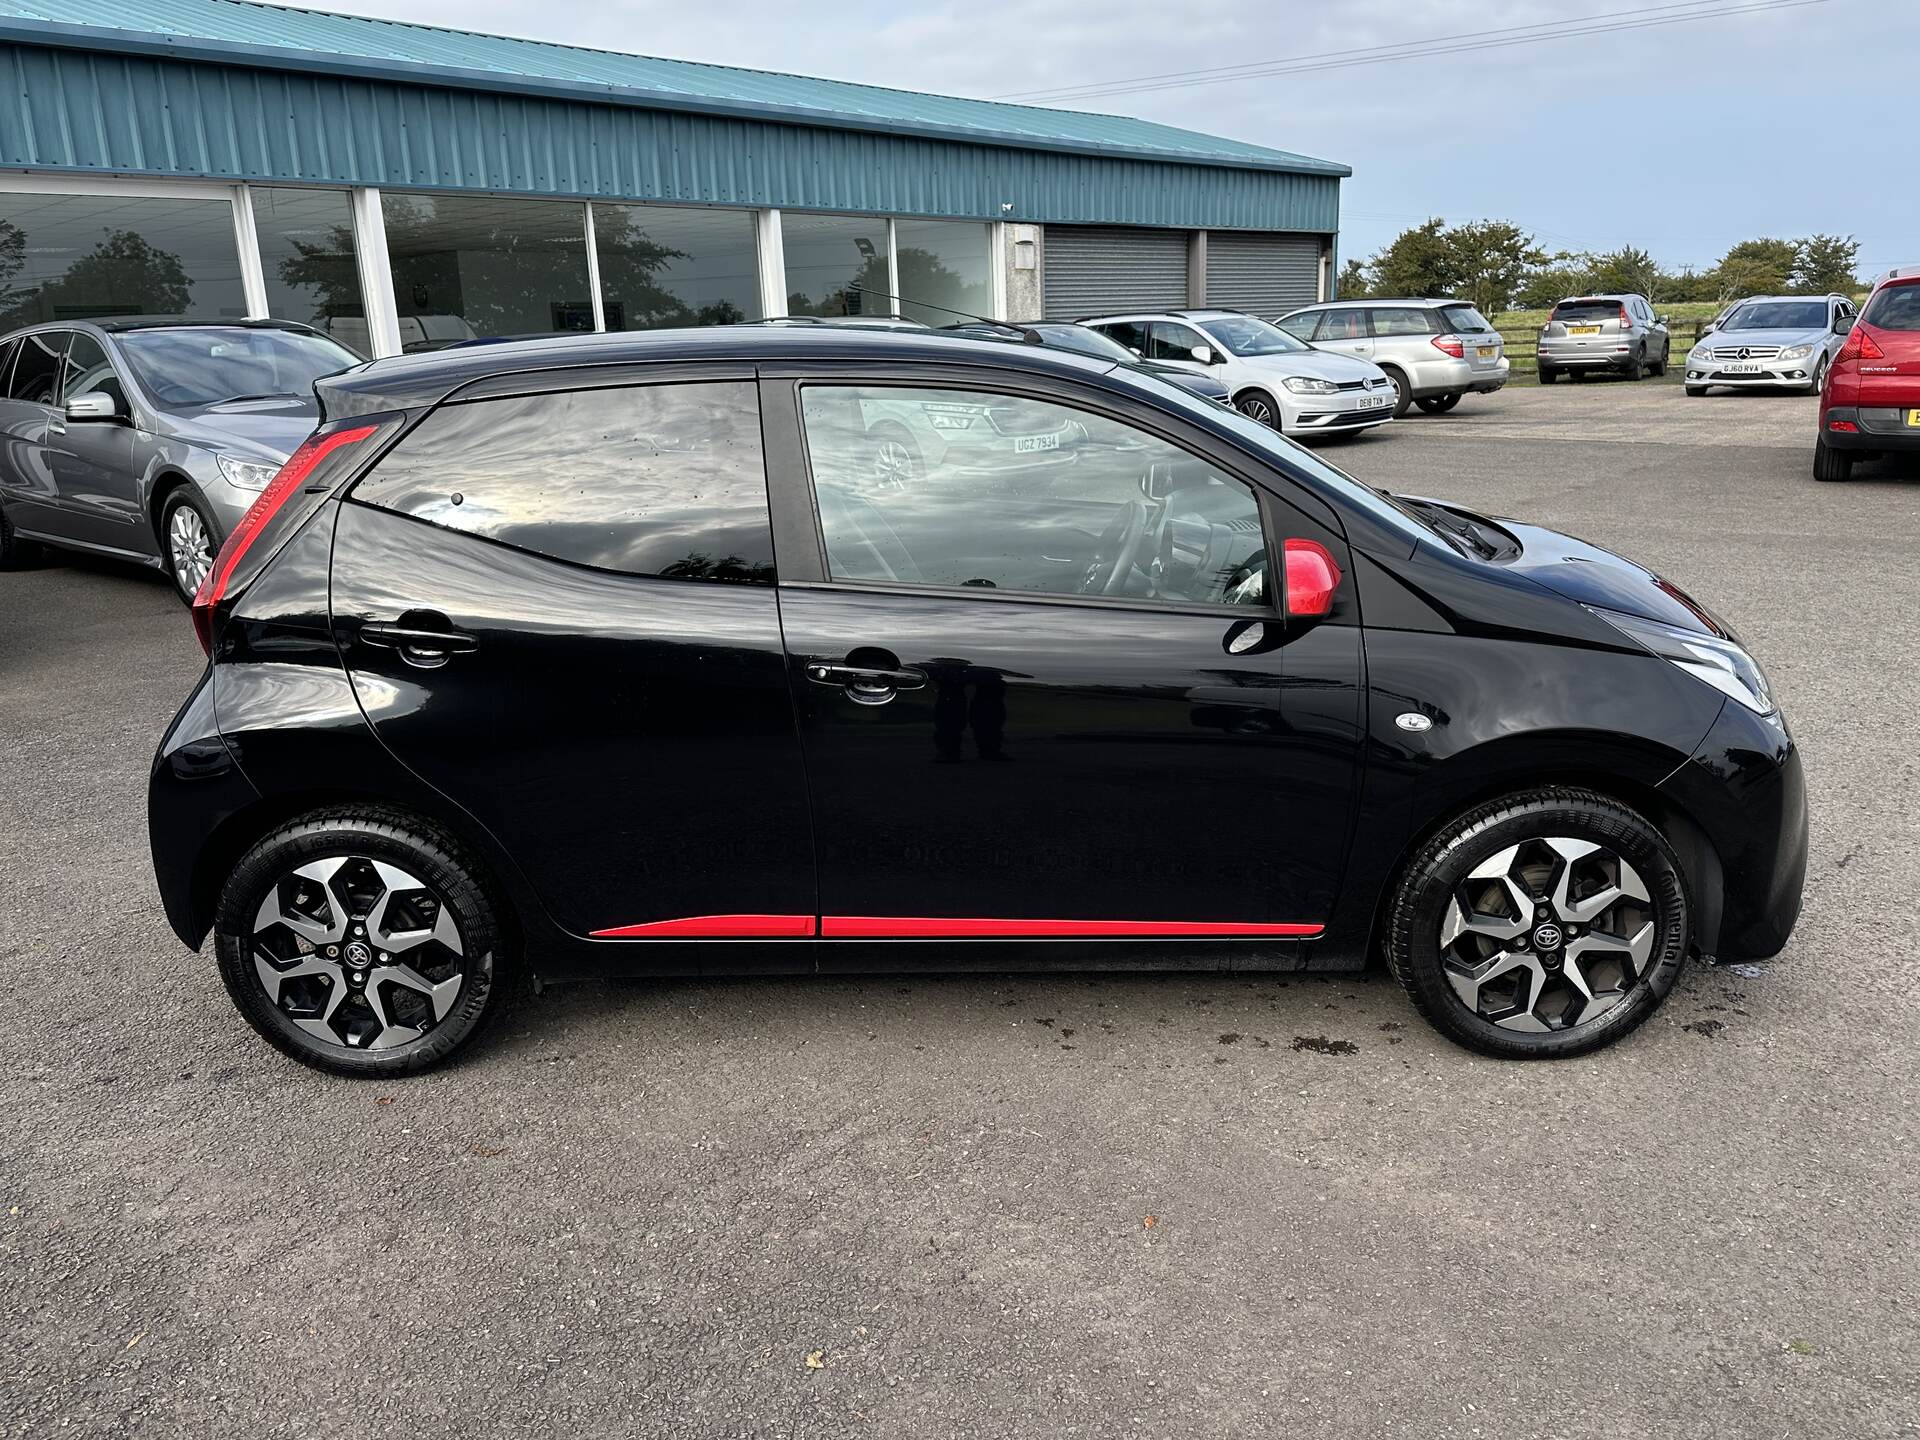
[(1413, 720)]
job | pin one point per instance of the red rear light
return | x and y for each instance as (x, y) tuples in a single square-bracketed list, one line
[(1626, 321), (1845, 427), (1312, 578), (1859, 345), (299, 465), (1449, 345)]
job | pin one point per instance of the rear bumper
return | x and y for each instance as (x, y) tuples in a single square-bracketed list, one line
[(193, 789), (1458, 377), (1877, 428), (1615, 355), (1743, 786)]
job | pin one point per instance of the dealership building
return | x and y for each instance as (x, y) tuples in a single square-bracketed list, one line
[(402, 186)]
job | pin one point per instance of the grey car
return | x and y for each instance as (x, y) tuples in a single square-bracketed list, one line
[(146, 440), (1772, 342), (1434, 351), (1592, 333)]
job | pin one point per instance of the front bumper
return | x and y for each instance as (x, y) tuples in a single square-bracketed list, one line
[(1744, 788), (1773, 374), (1877, 428)]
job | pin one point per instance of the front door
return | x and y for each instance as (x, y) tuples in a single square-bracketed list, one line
[(1043, 686), (92, 460), (558, 610)]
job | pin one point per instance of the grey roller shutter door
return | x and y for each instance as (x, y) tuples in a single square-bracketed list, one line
[(1100, 270), (1265, 275)]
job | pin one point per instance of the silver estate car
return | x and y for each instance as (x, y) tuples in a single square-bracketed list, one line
[(1619, 333), (1434, 351), (146, 440), (1772, 342)]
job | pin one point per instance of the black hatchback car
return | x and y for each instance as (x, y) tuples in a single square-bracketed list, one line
[(629, 654)]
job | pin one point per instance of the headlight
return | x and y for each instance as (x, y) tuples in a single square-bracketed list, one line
[(1303, 385), (952, 417), (1721, 663), (245, 473), (1796, 352)]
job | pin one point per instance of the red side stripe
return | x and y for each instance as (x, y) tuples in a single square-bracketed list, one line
[(716, 927), (916, 927)]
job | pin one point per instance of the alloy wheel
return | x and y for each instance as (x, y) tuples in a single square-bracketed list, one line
[(1255, 408), (893, 467), (1548, 935), (190, 547), (358, 952)]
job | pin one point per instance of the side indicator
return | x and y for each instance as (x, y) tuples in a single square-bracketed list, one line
[(715, 927), (923, 927)]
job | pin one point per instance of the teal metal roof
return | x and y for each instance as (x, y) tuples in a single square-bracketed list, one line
[(237, 32)]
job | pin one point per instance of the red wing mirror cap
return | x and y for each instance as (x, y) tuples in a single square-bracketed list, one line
[(1312, 578)]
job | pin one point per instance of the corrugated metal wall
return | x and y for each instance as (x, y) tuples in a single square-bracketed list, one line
[(88, 111), (1090, 271), (1265, 275)]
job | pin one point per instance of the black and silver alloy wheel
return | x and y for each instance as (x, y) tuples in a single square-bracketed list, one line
[(1547, 923), (359, 941)]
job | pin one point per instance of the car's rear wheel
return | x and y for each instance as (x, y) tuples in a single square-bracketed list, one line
[(361, 941), (14, 552), (1402, 392), (1546, 923), (190, 537), (1637, 367), (1548, 374), (1831, 464), (1438, 404), (1258, 405)]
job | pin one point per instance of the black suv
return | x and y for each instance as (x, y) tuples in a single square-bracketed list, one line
[(635, 654)]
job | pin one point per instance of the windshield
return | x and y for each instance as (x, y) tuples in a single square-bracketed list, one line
[(1244, 335), (1083, 341), (1779, 315), (205, 364), (1463, 320)]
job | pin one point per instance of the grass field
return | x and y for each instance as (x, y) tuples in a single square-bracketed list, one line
[(1520, 329)]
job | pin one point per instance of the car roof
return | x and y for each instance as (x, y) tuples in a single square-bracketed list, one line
[(1376, 300), (403, 382)]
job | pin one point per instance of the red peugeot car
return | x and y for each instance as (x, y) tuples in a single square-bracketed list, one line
[(1871, 402)]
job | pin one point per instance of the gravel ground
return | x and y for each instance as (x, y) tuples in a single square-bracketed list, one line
[(990, 1206)]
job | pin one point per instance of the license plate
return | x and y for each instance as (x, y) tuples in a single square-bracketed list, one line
[(1740, 369), (1583, 329), (1487, 352), (1913, 419), (1027, 444), (1375, 402)]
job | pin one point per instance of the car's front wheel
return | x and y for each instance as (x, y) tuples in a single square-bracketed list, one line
[(14, 552), (1402, 392), (1258, 405), (191, 537), (361, 941), (1547, 923)]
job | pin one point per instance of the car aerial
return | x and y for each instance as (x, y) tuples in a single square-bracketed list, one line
[(1434, 351), (1618, 333), (147, 440), (611, 655), (1870, 405), (1065, 335), (1273, 378), (1771, 342)]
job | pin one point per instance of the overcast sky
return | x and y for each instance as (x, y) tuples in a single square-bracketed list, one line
[(1681, 139)]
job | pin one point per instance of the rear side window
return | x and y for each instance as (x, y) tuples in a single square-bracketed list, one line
[(1389, 321), (659, 480), (1463, 320), (1130, 333), (36, 373), (1895, 308), (7, 347)]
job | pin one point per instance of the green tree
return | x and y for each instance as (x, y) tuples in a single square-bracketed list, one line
[(1825, 265), (1419, 261), (1353, 282), (1627, 271), (1756, 267), (1565, 273), (13, 259), (1489, 261)]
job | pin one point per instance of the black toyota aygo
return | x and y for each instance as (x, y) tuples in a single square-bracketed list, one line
[(784, 649)]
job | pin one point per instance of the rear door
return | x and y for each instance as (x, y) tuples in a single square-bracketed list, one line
[(27, 483), (558, 610), (1057, 703)]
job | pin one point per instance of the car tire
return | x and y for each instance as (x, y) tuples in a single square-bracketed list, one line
[(1438, 404), (1402, 391), (15, 553), (1259, 406), (1831, 464), (338, 875), (1548, 375), (1638, 369), (1659, 367), (1696, 391), (897, 462), (1560, 849), (189, 539), (1819, 380)]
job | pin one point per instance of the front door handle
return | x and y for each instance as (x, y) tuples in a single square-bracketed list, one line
[(865, 685), (423, 646)]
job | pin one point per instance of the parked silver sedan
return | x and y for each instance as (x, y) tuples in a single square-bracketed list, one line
[(147, 440), (1772, 342)]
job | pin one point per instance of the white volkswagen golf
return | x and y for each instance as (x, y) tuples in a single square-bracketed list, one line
[(1274, 378)]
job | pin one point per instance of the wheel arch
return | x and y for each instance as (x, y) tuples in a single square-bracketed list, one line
[(165, 482)]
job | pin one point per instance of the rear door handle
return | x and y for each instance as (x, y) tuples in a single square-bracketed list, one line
[(424, 647), (865, 685)]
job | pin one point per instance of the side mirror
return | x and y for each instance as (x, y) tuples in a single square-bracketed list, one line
[(1664, 319), (1842, 324), (1138, 355), (1202, 354), (93, 405), (1709, 327)]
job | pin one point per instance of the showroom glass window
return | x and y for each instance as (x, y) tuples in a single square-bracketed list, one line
[(664, 266), (307, 254), (661, 480), (984, 491), (84, 257), (472, 265), (943, 268), (836, 264)]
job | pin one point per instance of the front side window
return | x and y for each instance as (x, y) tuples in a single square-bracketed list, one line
[(1168, 341), (1395, 321), (88, 368), (36, 370), (978, 490), (194, 365), (1343, 325), (658, 480)]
